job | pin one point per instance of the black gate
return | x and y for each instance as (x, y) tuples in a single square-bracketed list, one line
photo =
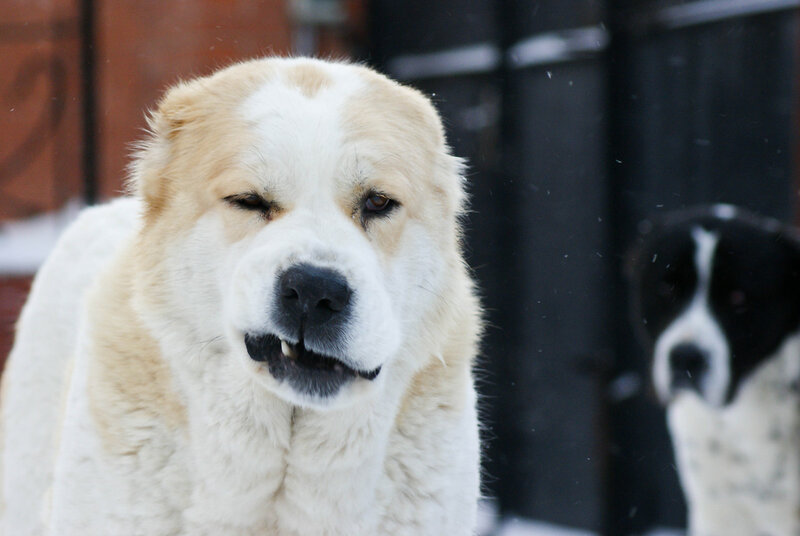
[(581, 118)]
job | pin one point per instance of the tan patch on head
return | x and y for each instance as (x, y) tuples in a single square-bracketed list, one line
[(405, 155), (407, 135), (130, 389), (400, 123), (308, 78), (195, 133)]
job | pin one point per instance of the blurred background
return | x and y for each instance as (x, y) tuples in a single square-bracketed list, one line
[(580, 119)]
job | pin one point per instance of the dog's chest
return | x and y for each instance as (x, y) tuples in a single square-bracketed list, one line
[(286, 473), (740, 466)]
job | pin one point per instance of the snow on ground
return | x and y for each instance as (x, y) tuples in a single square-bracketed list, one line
[(25, 244), (525, 527), (490, 525)]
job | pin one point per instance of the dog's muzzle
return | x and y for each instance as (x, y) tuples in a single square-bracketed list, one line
[(312, 310)]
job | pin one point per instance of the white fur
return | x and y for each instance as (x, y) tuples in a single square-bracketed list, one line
[(739, 465), (398, 455), (47, 337), (698, 326)]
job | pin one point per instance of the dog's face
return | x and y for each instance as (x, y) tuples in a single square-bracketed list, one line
[(305, 212), (717, 291)]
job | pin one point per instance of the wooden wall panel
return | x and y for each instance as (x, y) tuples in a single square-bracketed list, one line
[(13, 291), (40, 106), (139, 48), (143, 46)]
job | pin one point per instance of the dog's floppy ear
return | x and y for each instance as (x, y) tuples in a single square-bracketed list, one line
[(455, 169), (653, 226), (636, 250), (633, 265), (175, 110)]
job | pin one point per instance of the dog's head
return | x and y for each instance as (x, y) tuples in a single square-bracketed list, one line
[(306, 212), (716, 292)]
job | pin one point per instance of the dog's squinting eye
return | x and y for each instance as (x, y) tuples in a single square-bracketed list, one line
[(252, 202)]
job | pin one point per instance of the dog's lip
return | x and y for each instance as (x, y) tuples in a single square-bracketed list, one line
[(267, 346)]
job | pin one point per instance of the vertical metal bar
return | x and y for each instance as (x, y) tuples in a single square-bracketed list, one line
[(554, 140), (89, 103)]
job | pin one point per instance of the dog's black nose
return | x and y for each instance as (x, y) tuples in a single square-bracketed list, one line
[(313, 302), (311, 290), (688, 363)]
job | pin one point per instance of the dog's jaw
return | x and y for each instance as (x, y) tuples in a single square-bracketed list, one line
[(307, 372)]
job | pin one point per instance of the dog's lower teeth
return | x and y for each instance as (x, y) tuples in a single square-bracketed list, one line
[(287, 350)]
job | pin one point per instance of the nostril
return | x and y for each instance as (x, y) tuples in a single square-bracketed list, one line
[(336, 302), (289, 294)]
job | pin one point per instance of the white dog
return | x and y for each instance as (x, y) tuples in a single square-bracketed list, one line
[(273, 337)]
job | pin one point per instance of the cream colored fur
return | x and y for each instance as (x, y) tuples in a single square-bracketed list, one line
[(130, 403)]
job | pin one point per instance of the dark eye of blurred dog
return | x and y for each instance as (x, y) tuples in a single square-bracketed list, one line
[(737, 298)]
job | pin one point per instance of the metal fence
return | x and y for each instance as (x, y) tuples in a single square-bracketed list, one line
[(581, 118)]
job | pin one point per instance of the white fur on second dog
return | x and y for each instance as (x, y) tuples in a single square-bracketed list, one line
[(161, 382), (739, 465), (718, 295)]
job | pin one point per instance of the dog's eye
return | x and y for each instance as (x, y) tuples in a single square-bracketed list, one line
[(252, 202), (374, 205), (737, 298), (377, 203)]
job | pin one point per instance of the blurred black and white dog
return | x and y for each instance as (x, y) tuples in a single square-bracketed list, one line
[(717, 295)]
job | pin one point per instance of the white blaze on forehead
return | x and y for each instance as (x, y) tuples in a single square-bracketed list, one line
[(696, 325), (298, 142), (706, 242)]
